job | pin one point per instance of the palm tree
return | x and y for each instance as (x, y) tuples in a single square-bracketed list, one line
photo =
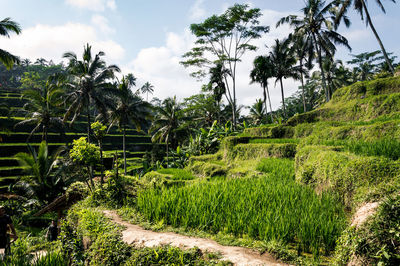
[(318, 23), (302, 45), (7, 26), (166, 125), (41, 108), (361, 7), (45, 179), (129, 109), (257, 112), (284, 63), (147, 88), (89, 85), (263, 69)]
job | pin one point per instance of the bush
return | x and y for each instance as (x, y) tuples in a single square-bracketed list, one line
[(349, 175), (166, 255)]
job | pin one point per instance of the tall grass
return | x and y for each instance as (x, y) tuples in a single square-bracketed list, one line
[(272, 207), (389, 148)]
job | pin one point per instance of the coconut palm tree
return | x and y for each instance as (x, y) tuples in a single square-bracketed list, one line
[(41, 108), (302, 45), (147, 88), (284, 63), (263, 70), (167, 123), (89, 85), (7, 26), (129, 109), (317, 22), (360, 6)]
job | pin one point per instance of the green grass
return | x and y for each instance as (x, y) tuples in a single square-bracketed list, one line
[(177, 174), (269, 208), (279, 141), (385, 147)]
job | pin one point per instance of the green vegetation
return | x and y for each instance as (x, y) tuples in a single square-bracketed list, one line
[(269, 208)]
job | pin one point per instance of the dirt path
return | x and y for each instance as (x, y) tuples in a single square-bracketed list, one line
[(237, 255)]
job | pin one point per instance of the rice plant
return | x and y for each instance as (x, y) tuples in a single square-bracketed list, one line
[(272, 207), (176, 174)]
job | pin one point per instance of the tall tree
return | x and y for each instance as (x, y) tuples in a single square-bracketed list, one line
[(167, 123), (7, 26), (263, 69), (284, 62), (318, 23), (225, 39), (89, 85), (42, 107), (147, 88), (361, 7), (302, 45), (129, 109)]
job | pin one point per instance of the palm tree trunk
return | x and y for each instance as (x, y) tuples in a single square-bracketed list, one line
[(327, 98), (283, 98), (265, 102), (270, 105), (167, 155), (88, 124), (123, 143), (377, 37), (302, 86)]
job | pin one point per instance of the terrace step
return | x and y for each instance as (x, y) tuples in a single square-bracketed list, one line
[(11, 171)]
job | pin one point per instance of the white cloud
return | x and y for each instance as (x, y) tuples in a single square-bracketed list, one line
[(50, 42), (101, 22), (197, 11), (93, 5), (111, 4), (160, 66)]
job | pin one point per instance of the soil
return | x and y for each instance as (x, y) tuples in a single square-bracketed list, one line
[(363, 213), (134, 234)]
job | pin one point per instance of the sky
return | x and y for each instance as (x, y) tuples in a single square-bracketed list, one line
[(149, 37)]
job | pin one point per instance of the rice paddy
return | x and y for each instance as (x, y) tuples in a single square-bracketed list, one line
[(270, 208)]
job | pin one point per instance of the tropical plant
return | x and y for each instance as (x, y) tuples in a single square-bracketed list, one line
[(89, 85), (42, 107), (261, 72), (87, 155), (167, 125), (284, 62), (7, 26), (129, 108), (317, 23), (257, 112), (302, 45), (360, 6), (147, 88), (44, 177), (226, 37)]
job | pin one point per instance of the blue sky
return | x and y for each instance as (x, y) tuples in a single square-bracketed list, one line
[(148, 38)]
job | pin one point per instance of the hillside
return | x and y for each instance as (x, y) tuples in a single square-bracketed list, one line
[(348, 148), (13, 139)]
